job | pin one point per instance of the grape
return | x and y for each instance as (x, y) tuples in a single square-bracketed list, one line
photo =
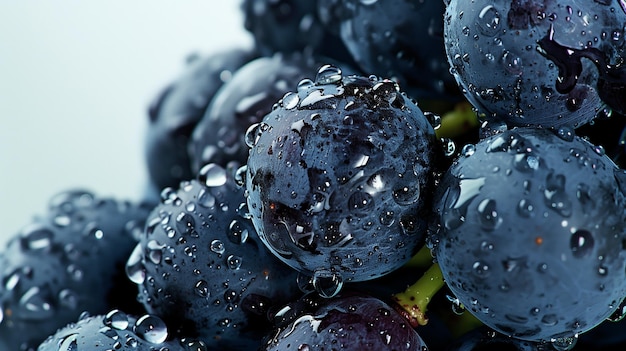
[(201, 267), (398, 38), (242, 102), (336, 178), (543, 63), (118, 331), (177, 110), (350, 321), (64, 263), (531, 233)]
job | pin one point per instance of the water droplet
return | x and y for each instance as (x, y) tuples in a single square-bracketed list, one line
[(116, 319), (305, 84), (237, 232), (205, 199), (151, 328), (488, 214), (326, 282), (566, 133), (217, 246), (36, 304), (360, 203), (212, 175), (581, 243), (488, 21), (36, 237), (481, 269), (468, 150), (185, 223), (525, 208), (328, 74), (135, 269), (252, 135), (69, 343), (290, 100), (202, 288), (233, 262), (154, 251)]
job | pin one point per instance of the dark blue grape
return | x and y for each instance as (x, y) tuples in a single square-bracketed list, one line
[(201, 267), (243, 101), (544, 63), (349, 321), (66, 262), (337, 178), (176, 111), (531, 233), (402, 39), (118, 331), (282, 25)]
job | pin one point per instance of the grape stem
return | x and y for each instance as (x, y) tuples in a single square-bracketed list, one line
[(413, 302), (422, 259)]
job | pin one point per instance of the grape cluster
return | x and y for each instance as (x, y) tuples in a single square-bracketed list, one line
[(371, 175)]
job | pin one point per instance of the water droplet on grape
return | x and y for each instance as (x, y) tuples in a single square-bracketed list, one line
[(116, 319), (151, 328), (326, 282)]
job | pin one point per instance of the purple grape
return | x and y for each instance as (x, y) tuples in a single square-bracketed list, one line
[(337, 178), (201, 267), (543, 63), (531, 233), (349, 321)]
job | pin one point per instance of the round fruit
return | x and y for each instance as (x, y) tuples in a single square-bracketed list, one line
[(117, 331), (69, 261), (337, 178), (349, 321), (402, 39), (531, 233), (543, 63), (176, 111), (201, 267), (242, 102)]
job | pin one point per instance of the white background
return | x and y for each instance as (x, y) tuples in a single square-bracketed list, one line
[(76, 78)]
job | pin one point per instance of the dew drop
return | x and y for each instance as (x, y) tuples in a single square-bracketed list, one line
[(326, 282), (212, 175), (237, 232), (135, 269), (69, 343), (253, 134), (360, 203), (566, 133), (151, 328), (36, 304), (488, 21), (217, 246), (116, 319), (234, 262), (328, 74), (488, 214), (581, 243), (36, 238), (201, 288)]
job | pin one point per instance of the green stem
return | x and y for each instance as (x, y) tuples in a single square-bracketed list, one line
[(413, 302), (457, 122), (422, 259)]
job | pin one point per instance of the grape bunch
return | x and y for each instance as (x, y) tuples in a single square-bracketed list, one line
[(378, 175)]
